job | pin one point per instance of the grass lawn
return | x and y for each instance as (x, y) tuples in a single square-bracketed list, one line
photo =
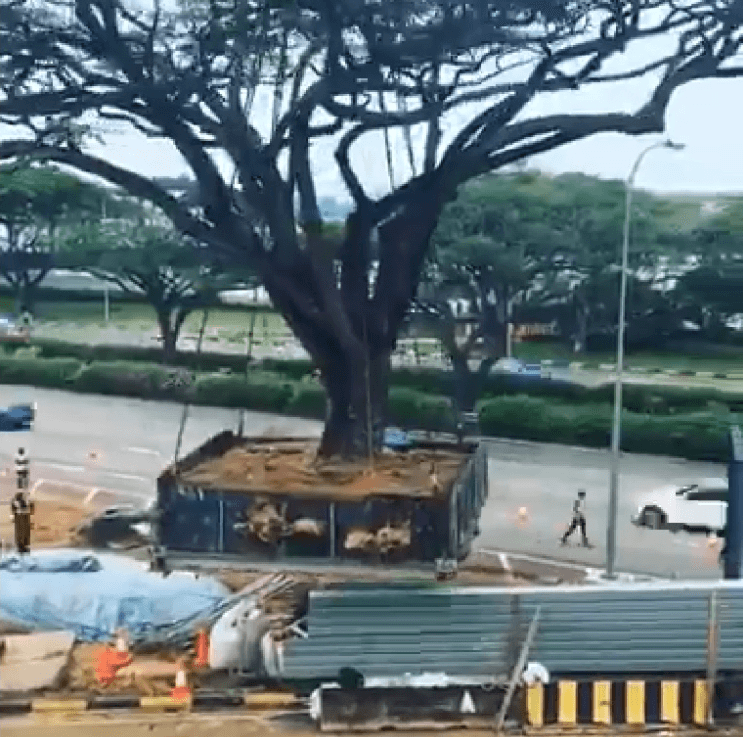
[(232, 325), (680, 362), (140, 317)]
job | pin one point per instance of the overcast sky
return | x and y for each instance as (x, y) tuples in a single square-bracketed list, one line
[(706, 116)]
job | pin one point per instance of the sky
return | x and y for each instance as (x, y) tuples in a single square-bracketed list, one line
[(705, 116)]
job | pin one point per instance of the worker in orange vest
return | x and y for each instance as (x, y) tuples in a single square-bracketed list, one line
[(112, 658)]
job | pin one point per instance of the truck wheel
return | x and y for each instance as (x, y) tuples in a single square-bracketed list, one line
[(653, 518)]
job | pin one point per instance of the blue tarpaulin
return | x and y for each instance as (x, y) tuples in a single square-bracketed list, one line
[(93, 595)]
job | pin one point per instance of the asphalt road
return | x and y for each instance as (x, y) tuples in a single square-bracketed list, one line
[(217, 724), (119, 446)]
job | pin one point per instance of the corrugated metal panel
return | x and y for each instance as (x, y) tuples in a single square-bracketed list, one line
[(649, 628)]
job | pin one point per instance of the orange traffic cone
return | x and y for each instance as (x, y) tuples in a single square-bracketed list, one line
[(181, 690), (202, 649)]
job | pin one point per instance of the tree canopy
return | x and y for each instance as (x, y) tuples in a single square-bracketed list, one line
[(35, 202), (153, 260), (352, 69)]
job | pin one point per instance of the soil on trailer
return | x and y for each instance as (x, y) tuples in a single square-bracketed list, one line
[(293, 468)]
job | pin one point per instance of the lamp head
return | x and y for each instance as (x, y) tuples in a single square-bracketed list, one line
[(674, 146)]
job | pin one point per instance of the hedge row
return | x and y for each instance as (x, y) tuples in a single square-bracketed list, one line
[(692, 435), (699, 436), (261, 390), (640, 398)]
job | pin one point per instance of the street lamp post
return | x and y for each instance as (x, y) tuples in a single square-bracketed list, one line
[(616, 429)]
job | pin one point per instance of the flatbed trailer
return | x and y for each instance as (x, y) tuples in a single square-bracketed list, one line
[(205, 501)]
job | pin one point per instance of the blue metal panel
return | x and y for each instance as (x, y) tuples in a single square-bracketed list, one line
[(733, 557), (478, 632), (191, 522)]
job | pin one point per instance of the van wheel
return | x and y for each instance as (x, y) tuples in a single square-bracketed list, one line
[(653, 518)]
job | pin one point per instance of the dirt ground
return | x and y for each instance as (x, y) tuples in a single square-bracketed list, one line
[(55, 517), (291, 467)]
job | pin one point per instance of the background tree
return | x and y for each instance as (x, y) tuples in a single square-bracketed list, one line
[(489, 249), (35, 202), (153, 261), (357, 69), (587, 218), (711, 292)]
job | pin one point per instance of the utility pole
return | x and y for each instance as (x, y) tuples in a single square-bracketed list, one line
[(616, 430)]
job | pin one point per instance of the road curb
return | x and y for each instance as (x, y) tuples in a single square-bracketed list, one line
[(247, 701)]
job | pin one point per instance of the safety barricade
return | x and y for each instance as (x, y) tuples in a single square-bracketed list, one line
[(615, 703)]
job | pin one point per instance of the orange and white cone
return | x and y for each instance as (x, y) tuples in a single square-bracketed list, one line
[(202, 649), (181, 690)]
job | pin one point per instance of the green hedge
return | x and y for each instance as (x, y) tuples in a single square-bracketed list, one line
[(129, 379), (411, 409), (52, 373), (308, 401), (641, 398), (262, 391), (696, 436)]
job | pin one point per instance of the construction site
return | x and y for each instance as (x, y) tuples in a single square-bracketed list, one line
[(313, 595)]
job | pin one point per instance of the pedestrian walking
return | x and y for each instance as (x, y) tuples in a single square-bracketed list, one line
[(578, 520), (21, 509), (22, 468)]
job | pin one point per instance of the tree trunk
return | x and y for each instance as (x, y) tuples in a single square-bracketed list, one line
[(168, 334), (465, 384), (580, 334), (356, 403), (325, 293), (495, 319)]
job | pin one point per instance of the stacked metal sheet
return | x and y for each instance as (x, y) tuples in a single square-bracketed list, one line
[(642, 629)]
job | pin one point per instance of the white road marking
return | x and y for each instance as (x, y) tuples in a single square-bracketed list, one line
[(91, 496), (93, 491), (535, 559), (63, 467), (146, 451), (504, 562), (130, 476), (73, 485)]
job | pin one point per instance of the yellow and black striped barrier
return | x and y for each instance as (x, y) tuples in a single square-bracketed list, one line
[(195, 701), (569, 703)]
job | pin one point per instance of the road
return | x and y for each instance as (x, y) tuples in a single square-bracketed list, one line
[(221, 724), (120, 445)]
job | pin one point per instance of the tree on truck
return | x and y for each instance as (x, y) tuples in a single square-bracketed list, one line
[(264, 100)]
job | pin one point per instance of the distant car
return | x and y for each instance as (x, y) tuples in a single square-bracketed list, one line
[(396, 439), (17, 417), (11, 331), (513, 367), (701, 506)]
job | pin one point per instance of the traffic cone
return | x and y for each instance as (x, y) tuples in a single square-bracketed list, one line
[(202, 649), (181, 690)]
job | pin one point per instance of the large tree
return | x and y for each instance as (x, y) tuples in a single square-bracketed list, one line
[(358, 69)]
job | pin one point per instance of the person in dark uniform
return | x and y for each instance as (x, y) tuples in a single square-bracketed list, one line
[(579, 520), (22, 509)]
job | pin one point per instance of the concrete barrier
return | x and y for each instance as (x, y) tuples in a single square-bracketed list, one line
[(617, 703)]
